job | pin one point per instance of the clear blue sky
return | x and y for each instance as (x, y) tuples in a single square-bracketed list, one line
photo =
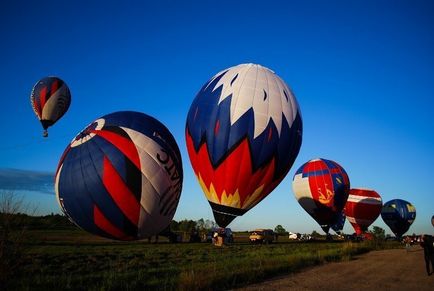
[(362, 71)]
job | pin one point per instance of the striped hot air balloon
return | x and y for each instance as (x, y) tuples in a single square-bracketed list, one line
[(121, 177), (362, 208), (321, 187), (243, 134), (50, 100)]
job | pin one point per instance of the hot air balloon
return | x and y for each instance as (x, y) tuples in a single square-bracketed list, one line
[(243, 133), (321, 187), (50, 100), (432, 220), (362, 208), (398, 215), (338, 226), (121, 177)]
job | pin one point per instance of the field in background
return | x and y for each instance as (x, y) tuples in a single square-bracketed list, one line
[(73, 259)]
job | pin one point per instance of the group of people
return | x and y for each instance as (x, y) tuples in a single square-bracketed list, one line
[(427, 242)]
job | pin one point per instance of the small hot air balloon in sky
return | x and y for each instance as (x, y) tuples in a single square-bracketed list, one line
[(398, 215), (338, 226), (362, 208), (321, 187), (432, 220), (50, 100), (121, 177), (243, 133)]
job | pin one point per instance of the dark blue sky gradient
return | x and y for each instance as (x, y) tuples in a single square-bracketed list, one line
[(362, 71)]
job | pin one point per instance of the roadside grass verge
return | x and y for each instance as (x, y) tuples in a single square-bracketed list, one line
[(74, 262)]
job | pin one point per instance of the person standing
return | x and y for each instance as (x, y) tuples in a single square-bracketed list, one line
[(407, 242), (428, 250)]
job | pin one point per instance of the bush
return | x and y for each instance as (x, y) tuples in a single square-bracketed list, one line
[(11, 235)]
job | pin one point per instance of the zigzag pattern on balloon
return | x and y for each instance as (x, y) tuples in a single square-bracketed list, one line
[(242, 190), (208, 123)]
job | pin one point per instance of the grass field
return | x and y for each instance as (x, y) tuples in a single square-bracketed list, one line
[(75, 260)]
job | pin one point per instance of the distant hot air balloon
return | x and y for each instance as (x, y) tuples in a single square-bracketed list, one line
[(432, 220), (50, 100), (362, 208), (338, 226), (121, 177), (243, 134), (398, 215), (321, 187)]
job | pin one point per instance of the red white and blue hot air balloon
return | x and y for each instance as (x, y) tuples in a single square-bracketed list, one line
[(243, 133), (50, 99), (121, 177), (321, 187), (362, 208)]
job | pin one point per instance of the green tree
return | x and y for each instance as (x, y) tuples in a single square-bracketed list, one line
[(280, 230), (174, 225), (209, 224), (379, 233), (187, 225), (315, 234), (205, 225), (200, 225)]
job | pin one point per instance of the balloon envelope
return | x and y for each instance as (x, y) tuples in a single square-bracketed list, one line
[(121, 177), (362, 208), (338, 226), (398, 215), (243, 133), (50, 100), (321, 187)]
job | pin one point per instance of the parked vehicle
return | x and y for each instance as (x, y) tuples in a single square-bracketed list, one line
[(306, 237), (262, 236), (294, 236)]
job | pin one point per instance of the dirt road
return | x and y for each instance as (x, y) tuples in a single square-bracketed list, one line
[(378, 270)]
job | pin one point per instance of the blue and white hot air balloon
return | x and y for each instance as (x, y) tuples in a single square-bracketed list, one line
[(399, 215), (243, 133), (121, 177)]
